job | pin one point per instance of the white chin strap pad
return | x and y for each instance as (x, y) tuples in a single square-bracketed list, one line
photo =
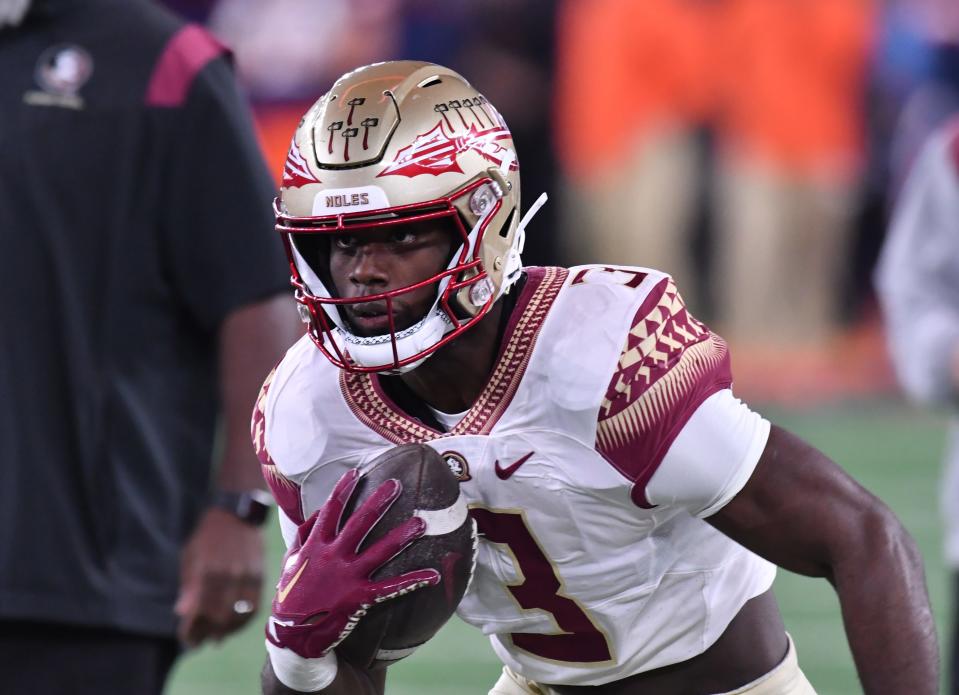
[(378, 351)]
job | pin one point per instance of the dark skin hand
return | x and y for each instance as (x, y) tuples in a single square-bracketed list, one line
[(798, 510), (221, 564), (222, 561)]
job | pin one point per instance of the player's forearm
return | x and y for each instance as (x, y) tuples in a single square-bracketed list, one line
[(885, 607), (803, 512), (349, 681)]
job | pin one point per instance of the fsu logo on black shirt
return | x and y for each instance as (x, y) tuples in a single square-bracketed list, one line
[(60, 72)]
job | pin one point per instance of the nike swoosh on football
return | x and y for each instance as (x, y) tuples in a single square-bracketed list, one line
[(285, 591), (504, 473)]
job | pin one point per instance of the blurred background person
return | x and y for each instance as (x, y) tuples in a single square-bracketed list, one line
[(314, 48), (917, 276), (776, 88), (791, 118), (319, 41), (917, 280), (635, 83), (507, 49), (918, 70), (145, 294)]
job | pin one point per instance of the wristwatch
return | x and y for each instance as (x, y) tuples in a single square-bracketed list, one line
[(251, 506)]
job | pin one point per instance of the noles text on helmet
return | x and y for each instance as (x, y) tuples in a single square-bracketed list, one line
[(407, 159)]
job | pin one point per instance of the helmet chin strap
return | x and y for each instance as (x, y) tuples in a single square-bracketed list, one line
[(514, 261), (378, 350)]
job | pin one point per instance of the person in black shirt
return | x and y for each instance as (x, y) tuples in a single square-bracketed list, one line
[(144, 295)]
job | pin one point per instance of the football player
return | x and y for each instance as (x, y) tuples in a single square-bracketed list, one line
[(631, 510), (917, 283)]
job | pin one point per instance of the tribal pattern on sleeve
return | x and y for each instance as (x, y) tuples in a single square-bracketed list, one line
[(285, 491), (669, 365)]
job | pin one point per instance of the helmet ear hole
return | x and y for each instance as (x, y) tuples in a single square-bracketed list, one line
[(504, 230)]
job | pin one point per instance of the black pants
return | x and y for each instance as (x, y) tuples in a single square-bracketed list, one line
[(50, 659)]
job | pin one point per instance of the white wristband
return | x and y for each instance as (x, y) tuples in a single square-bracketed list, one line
[(299, 673)]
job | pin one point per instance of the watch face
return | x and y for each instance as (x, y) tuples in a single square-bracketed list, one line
[(246, 506), (254, 511)]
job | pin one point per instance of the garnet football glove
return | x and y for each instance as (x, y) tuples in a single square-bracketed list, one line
[(325, 587)]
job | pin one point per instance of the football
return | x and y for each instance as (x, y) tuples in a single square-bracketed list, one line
[(394, 629)]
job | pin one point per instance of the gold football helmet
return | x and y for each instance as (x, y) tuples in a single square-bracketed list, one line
[(398, 143)]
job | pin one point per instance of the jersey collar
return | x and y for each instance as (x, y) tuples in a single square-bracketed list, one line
[(370, 403)]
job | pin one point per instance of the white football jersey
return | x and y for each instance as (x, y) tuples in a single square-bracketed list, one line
[(605, 433)]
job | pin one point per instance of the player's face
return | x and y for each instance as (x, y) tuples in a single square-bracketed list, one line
[(388, 258)]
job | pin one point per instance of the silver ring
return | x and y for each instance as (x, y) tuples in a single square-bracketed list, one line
[(242, 607)]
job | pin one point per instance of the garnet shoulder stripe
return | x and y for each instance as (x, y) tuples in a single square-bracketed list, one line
[(669, 364), (285, 491), (523, 330), (186, 53)]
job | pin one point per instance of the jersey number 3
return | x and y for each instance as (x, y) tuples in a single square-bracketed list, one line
[(579, 640)]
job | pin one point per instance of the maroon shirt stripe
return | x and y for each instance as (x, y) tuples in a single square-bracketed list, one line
[(186, 53)]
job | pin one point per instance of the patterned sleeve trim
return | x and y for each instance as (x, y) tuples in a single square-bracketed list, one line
[(669, 364), (285, 491)]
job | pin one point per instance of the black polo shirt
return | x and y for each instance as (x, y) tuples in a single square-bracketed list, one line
[(134, 216)]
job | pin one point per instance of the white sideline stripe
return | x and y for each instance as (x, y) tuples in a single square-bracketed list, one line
[(439, 522)]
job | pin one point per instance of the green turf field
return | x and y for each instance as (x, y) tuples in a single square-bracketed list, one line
[(891, 449)]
